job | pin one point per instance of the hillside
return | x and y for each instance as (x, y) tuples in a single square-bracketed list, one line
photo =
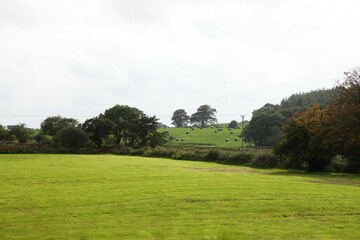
[(211, 136)]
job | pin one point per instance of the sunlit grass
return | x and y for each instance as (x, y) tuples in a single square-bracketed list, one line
[(122, 197)]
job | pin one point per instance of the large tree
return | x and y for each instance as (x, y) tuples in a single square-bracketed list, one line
[(125, 119), (260, 127), (180, 118), (133, 127), (340, 126), (300, 146), (204, 115), (51, 125), (98, 128)]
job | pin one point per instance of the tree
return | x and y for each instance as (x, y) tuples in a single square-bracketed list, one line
[(341, 124), (233, 124), (145, 133), (71, 137), (300, 145), (98, 128), (4, 134), (20, 132), (259, 128), (204, 115), (124, 118), (180, 118), (51, 125)]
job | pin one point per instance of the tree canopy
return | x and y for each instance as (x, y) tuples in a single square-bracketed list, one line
[(98, 128), (203, 116), (180, 118), (51, 125)]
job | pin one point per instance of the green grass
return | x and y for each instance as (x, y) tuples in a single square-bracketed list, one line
[(122, 197), (205, 137)]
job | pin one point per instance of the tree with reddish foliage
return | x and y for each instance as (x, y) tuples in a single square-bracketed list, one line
[(342, 121), (313, 137), (300, 146)]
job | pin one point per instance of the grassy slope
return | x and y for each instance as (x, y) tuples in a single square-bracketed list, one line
[(205, 137), (122, 197)]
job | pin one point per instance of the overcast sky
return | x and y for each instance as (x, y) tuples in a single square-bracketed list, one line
[(77, 58)]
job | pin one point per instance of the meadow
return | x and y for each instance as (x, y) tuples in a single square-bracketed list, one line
[(205, 136), (46, 196)]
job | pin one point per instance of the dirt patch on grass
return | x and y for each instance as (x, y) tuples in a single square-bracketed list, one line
[(337, 181), (225, 170)]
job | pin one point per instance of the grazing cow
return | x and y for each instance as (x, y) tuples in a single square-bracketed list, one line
[(231, 132), (182, 139), (226, 140), (215, 131), (177, 140), (236, 139), (187, 132)]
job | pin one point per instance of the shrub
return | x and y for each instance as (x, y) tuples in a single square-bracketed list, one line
[(213, 155), (264, 159), (240, 158), (338, 164), (121, 150), (42, 139)]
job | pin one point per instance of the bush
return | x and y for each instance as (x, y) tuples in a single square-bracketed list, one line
[(339, 165), (42, 139), (240, 158), (121, 150), (213, 155), (264, 159)]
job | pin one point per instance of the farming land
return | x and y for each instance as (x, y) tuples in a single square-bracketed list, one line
[(124, 197), (209, 137)]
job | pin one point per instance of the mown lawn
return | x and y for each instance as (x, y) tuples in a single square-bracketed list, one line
[(122, 197)]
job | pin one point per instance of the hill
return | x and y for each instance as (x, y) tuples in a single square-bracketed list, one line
[(210, 136)]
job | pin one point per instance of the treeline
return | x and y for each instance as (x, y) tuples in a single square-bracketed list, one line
[(315, 137), (315, 130), (265, 126), (120, 124)]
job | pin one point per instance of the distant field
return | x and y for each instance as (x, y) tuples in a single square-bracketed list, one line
[(205, 136), (122, 197)]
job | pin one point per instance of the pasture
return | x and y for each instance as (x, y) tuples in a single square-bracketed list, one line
[(123, 197), (205, 137)]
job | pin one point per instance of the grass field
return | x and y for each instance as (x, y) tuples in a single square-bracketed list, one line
[(122, 197), (205, 137)]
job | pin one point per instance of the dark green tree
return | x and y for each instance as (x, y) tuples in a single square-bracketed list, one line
[(147, 134), (20, 132), (180, 118), (4, 134), (233, 124), (204, 115), (71, 137), (98, 128), (259, 128), (125, 119), (51, 125)]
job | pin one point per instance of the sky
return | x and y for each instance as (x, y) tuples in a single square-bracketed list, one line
[(77, 58)]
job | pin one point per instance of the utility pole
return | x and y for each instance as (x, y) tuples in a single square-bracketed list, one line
[(242, 132)]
